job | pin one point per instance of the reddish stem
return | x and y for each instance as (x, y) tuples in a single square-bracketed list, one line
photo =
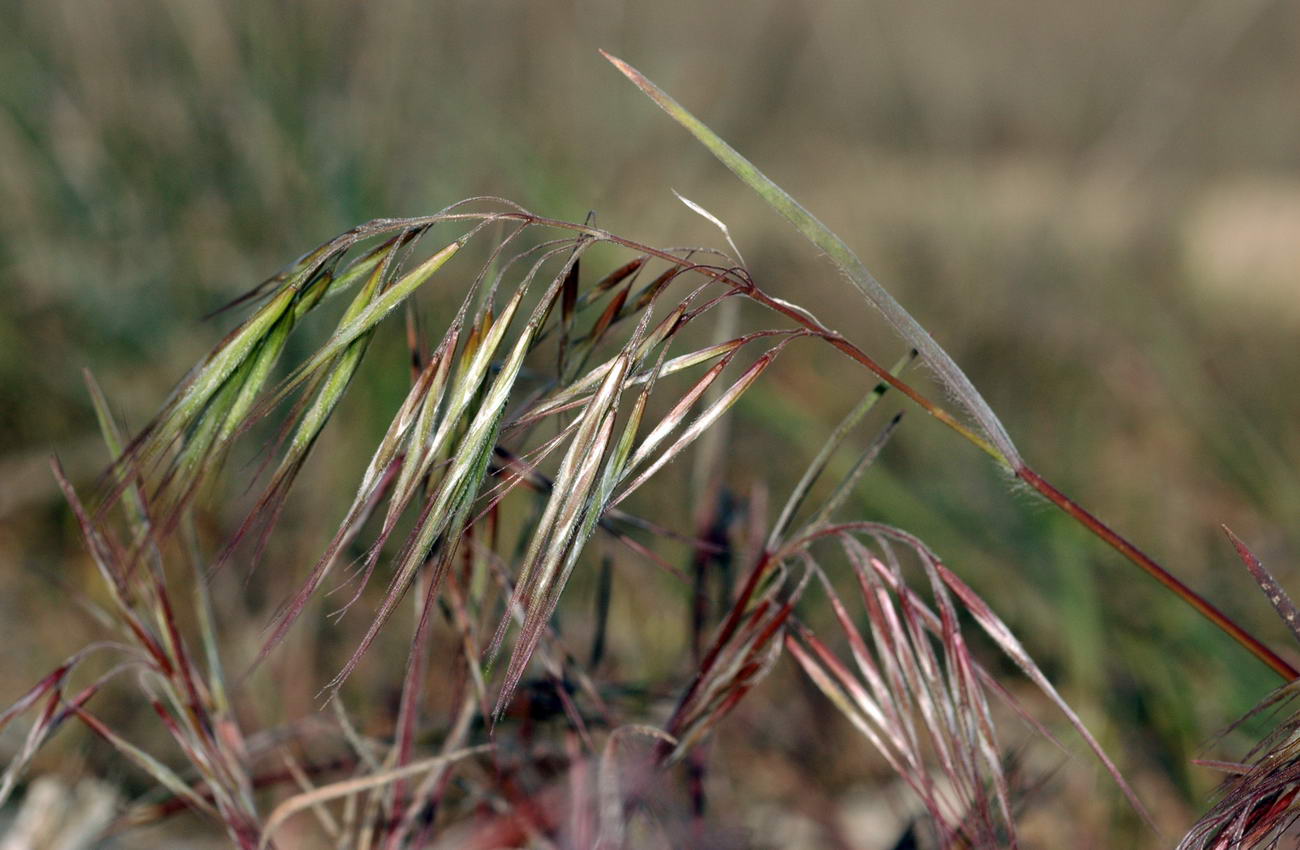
[(1159, 573), (1033, 479)]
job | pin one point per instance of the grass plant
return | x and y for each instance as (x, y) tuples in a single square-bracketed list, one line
[(577, 367)]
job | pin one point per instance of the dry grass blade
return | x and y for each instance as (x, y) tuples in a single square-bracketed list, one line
[(164, 775), (329, 825), (350, 787), (36, 735), (51, 682)]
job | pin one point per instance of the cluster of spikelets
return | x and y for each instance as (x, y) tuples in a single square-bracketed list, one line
[(463, 439), (554, 396), (459, 443)]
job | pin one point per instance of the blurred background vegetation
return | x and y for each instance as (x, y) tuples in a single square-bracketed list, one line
[(1094, 207)]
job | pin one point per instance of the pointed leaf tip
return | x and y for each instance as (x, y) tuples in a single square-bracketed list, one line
[(999, 444), (1277, 595)]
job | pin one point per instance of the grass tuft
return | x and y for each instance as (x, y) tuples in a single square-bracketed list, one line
[(538, 411)]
